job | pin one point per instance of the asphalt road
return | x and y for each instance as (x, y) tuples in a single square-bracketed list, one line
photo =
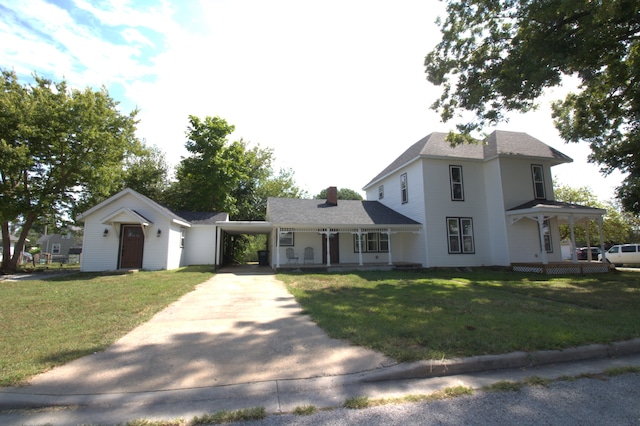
[(610, 401)]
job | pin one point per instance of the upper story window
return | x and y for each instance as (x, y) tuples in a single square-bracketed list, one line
[(455, 176), (538, 181), (403, 188), (380, 192), (55, 248)]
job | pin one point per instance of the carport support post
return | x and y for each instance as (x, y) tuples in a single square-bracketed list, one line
[(277, 247)]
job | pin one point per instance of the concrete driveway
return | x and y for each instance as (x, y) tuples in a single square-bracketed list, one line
[(238, 327)]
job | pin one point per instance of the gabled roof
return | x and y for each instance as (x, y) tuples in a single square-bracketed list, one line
[(203, 218), (497, 144), (293, 211), (182, 218)]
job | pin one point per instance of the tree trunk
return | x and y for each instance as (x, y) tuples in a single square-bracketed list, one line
[(6, 246), (11, 266)]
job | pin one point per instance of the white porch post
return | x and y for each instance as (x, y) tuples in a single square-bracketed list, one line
[(328, 248), (574, 255), (360, 247), (389, 242), (604, 255), (218, 244), (542, 245), (586, 232), (277, 247)]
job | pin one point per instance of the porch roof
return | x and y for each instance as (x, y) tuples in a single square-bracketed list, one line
[(552, 208), (351, 213)]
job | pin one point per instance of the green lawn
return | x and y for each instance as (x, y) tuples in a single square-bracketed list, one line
[(48, 323), (432, 315)]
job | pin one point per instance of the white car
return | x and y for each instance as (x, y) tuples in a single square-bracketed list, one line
[(623, 254)]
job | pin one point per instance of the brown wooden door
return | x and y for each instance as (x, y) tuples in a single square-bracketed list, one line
[(132, 247), (333, 248)]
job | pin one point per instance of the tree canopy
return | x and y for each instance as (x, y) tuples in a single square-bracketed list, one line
[(498, 56), (61, 150), (343, 194), (225, 176)]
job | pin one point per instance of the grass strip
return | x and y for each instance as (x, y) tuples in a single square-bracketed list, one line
[(47, 323), (444, 314)]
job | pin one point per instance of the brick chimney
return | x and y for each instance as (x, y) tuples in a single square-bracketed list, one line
[(332, 196)]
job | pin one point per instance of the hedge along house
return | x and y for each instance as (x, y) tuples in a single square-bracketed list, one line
[(339, 233), (131, 231)]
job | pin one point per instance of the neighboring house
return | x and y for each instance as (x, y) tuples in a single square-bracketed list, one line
[(58, 245), (131, 231), (487, 204), (481, 204)]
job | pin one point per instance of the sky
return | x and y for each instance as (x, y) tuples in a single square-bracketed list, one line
[(336, 88)]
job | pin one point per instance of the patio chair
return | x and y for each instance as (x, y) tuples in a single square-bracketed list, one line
[(291, 256), (308, 255)]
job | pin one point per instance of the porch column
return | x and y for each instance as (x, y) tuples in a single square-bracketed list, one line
[(586, 233), (360, 247), (574, 255), (604, 255), (277, 247), (328, 248), (389, 242), (542, 245), (218, 243)]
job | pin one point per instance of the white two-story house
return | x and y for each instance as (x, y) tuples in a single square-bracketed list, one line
[(483, 204)]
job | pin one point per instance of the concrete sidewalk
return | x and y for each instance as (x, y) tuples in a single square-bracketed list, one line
[(241, 340)]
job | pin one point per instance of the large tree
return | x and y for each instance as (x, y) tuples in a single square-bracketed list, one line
[(61, 149), (221, 175), (498, 56)]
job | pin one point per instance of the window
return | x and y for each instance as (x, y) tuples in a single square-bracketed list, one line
[(628, 249), (380, 192), (403, 188), (286, 238), (55, 248), (460, 235), (455, 176), (182, 235), (372, 242), (538, 181)]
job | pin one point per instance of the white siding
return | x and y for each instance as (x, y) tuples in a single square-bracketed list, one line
[(439, 206), (497, 226), (199, 246), (101, 253)]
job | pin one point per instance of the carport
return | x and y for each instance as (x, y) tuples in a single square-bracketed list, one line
[(238, 228)]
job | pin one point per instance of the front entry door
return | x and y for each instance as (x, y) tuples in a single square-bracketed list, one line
[(333, 248), (132, 247)]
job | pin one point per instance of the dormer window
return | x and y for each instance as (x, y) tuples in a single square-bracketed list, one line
[(538, 182)]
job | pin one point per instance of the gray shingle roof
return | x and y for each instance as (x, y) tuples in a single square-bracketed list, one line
[(202, 218), (292, 211), (498, 143)]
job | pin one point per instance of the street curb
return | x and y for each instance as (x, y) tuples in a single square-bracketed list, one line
[(454, 366)]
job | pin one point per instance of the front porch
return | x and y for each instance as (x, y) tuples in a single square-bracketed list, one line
[(346, 267), (563, 268)]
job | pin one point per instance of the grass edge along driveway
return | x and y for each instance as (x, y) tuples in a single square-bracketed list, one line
[(412, 316), (46, 323)]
